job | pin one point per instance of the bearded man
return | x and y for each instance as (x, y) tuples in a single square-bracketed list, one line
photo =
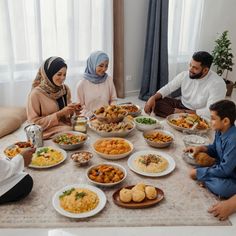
[(200, 87)]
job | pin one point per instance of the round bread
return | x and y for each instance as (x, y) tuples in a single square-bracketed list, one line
[(138, 195), (203, 159), (125, 195), (151, 192), (139, 186)]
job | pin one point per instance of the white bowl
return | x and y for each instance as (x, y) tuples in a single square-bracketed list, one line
[(158, 144), (70, 146), (195, 140), (144, 127), (128, 106), (107, 184), (110, 156)]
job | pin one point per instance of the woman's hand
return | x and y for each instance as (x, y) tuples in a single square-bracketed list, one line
[(66, 111)]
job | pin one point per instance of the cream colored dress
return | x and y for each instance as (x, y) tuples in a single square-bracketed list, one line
[(92, 96), (41, 110)]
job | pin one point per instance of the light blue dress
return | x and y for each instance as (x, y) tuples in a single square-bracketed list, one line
[(221, 177)]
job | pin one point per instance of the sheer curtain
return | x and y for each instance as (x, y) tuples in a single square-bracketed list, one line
[(33, 30), (184, 26)]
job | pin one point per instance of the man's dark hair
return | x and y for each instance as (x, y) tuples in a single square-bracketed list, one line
[(205, 58), (225, 108)]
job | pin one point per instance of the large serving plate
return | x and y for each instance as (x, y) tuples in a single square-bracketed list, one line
[(118, 133), (100, 206), (111, 156), (110, 184), (70, 146), (169, 169), (64, 155), (187, 130), (135, 205)]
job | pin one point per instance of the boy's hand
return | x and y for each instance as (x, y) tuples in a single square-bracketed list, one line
[(193, 174), (27, 155)]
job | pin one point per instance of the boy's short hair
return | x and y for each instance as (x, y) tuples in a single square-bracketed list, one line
[(225, 108), (205, 58)]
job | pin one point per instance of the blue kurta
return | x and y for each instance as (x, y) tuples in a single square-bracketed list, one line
[(221, 177)]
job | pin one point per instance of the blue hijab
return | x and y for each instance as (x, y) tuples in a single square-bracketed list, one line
[(95, 59)]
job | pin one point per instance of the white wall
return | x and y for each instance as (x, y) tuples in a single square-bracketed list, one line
[(135, 18), (218, 16)]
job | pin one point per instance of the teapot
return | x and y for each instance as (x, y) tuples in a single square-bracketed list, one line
[(34, 134)]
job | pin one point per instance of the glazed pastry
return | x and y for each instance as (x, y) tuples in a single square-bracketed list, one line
[(151, 192), (125, 195), (138, 195)]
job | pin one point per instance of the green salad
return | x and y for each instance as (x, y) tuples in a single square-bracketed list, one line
[(146, 121)]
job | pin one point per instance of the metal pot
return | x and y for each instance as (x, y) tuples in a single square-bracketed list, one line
[(34, 134)]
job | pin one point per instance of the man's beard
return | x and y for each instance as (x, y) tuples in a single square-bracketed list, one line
[(196, 76)]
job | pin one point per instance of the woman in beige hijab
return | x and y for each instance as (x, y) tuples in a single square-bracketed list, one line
[(49, 102)]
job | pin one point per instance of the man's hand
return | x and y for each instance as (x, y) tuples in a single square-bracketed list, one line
[(150, 105), (27, 155), (195, 150)]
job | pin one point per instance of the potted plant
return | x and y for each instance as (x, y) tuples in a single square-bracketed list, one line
[(222, 59)]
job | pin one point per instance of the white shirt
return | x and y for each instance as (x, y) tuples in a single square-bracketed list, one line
[(197, 94), (11, 173)]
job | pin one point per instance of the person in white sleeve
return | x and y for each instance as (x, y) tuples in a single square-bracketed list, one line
[(200, 87), (15, 184)]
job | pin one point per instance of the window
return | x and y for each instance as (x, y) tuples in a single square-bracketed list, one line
[(33, 30), (183, 27)]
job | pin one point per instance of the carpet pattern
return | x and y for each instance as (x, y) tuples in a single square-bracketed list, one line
[(185, 203)]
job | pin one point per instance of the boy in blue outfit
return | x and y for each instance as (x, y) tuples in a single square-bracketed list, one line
[(221, 177)]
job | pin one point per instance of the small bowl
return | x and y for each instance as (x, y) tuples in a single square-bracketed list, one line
[(110, 184), (132, 109), (195, 140), (70, 146), (157, 144), (142, 126), (81, 158)]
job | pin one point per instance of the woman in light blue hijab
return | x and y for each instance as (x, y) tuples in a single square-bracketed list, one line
[(95, 59), (96, 88)]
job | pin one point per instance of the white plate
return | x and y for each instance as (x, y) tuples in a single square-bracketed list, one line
[(120, 167), (113, 157), (112, 134), (64, 154), (169, 169), (100, 206)]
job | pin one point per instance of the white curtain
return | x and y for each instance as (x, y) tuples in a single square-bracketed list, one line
[(184, 26), (33, 30)]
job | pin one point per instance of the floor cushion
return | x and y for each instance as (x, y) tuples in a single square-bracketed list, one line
[(11, 119)]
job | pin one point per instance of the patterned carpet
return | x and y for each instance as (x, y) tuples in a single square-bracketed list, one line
[(185, 203)]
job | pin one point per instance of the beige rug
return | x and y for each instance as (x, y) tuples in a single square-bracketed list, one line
[(185, 203)]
